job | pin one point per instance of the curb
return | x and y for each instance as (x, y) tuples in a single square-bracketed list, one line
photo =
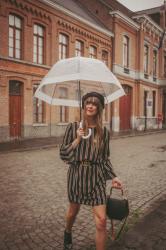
[(40, 145)]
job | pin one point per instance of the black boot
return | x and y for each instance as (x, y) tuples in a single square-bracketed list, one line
[(67, 241)]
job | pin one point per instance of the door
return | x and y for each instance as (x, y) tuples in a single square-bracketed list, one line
[(125, 109), (15, 109), (164, 109)]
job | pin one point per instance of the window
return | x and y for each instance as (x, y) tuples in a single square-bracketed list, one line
[(63, 110), (165, 65), (154, 103), (15, 36), (154, 64), (125, 52), (146, 59), (145, 102), (92, 52), (15, 87), (38, 108), (63, 46), (38, 44), (79, 48), (105, 57)]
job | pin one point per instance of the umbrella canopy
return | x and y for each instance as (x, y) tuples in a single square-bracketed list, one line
[(78, 75)]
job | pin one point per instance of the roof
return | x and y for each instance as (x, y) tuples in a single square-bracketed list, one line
[(74, 7), (115, 5), (151, 10)]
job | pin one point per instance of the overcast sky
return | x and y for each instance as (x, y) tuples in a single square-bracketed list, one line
[(136, 5)]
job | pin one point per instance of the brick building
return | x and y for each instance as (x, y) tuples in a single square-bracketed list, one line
[(36, 34), (138, 60)]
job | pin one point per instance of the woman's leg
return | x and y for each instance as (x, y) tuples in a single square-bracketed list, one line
[(100, 221), (71, 216)]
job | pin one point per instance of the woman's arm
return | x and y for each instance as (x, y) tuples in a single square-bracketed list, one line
[(110, 174), (109, 171), (66, 149), (70, 142)]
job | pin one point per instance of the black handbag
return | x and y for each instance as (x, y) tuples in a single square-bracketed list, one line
[(117, 209)]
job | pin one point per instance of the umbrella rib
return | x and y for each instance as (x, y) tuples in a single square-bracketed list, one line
[(51, 110), (53, 95), (104, 92), (79, 92)]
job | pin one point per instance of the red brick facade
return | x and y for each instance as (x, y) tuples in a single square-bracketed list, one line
[(24, 74)]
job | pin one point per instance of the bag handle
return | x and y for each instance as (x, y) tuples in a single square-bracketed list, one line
[(122, 192), (113, 236)]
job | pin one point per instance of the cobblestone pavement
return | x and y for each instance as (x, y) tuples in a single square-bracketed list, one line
[(33, 192), (148, 233)]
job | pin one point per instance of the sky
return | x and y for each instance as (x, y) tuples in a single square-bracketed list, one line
[(136, 5)]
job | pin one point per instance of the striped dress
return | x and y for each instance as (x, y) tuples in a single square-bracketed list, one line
[(89, 167)]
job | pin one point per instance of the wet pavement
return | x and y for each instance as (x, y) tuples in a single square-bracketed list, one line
[(34, 200)]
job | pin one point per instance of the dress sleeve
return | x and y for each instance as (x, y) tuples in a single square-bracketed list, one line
[(109, 172), (67, 152)]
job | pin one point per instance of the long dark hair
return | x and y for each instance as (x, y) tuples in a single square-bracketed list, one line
[(98, 118)]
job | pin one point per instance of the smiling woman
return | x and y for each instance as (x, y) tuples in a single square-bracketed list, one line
[(89, 167)]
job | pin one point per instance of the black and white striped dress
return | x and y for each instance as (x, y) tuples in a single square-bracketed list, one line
[(87, 181)]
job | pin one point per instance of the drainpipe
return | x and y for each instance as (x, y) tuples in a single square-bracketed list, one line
[(112, 64), (145, 106)]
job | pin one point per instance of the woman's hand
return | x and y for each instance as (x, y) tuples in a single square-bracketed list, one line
[(80, 133), (116, 183)]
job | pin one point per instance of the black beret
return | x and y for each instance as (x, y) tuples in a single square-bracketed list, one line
[(93, 94)]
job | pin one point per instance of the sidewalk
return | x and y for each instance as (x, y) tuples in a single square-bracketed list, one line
[(147, 234), (46, 142), (32, 181)]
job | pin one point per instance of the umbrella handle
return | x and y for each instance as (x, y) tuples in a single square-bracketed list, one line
[(89, 134)]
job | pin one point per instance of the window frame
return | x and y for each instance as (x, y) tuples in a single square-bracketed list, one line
[(63, 47), (36, 113), (146, 60), (126, 41), (155, 63), (164, 65), (63, 110), (93, 51), (15, 31), (39, 38), (105, 58), (79, 51)]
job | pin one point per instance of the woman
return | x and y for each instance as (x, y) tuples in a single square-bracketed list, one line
[(89, 167)]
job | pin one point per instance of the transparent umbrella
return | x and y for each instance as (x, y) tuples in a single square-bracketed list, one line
[(79, 75)]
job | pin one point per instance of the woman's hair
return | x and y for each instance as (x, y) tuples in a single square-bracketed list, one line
[(98, 118)]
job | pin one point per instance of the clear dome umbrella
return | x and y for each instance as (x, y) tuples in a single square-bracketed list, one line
[(79, 75)]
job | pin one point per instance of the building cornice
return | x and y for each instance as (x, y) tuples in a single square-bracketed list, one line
[(75, 16), (80, 31), (146, 20), (25, 6), (125, 18), (20, 61)]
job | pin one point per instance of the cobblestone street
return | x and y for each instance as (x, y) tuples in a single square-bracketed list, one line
[(34, 200)]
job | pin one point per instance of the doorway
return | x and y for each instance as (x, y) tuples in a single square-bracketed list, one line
[(125, 109), (164, 109), (15, 108)]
